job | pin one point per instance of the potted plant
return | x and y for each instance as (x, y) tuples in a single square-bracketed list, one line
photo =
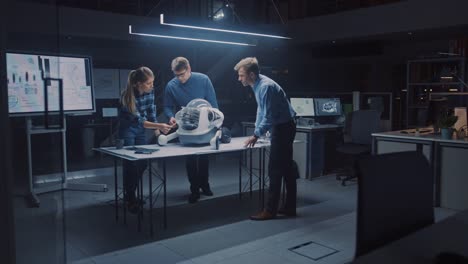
[(446, 122)]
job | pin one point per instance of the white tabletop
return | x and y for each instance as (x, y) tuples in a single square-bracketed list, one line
[(319, 127), (399, 134), (311, 127), (176, 150), (424, 245)]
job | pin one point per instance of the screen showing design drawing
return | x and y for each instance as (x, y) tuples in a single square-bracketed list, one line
[(25, 74), (327, 106), (303, 106)]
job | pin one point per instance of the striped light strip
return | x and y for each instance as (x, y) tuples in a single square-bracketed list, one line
[(184, 38), (161, 19)]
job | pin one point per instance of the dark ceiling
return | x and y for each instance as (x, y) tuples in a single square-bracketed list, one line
[(258, 11)]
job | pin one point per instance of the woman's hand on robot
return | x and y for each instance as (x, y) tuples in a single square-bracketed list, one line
[(164, 128)]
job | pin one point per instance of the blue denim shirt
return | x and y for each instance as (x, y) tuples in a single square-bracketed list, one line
[(273, 106)]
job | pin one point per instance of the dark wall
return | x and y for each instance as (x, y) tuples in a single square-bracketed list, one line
[(402, 17), (7, 227), (381, 69)]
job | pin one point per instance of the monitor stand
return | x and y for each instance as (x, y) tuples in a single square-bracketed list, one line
[(34, 190), (305, 121)]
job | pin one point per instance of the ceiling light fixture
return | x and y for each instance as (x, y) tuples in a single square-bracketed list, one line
[(161, 18), (184, 38)]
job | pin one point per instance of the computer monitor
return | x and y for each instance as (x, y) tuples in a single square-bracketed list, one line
[(303, 106), (327, 106)]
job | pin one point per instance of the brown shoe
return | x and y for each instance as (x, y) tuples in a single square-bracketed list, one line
[(263, 215)]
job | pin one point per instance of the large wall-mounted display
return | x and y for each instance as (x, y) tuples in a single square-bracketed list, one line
[(25, 73)]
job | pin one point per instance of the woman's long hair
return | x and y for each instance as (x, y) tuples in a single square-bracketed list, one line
[(136, 76)]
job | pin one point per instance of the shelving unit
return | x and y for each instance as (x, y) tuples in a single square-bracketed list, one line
[(426, 76)]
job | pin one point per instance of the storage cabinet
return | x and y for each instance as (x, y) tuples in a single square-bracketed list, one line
[(426, 76)]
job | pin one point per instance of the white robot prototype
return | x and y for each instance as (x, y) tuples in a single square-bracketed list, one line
[(198, 123)]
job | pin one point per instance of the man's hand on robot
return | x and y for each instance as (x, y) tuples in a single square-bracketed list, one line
[(172, 121)]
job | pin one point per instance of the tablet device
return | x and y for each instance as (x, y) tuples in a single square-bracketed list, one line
[(144, 150)]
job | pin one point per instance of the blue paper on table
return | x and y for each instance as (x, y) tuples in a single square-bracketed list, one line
[(139, 150)]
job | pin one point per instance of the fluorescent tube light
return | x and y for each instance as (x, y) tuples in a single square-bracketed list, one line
[(184, 38), (161, 20)]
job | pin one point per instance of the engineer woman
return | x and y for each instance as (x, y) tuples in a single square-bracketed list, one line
[(137, 112)]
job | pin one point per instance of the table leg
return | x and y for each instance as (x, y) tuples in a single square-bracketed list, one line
[(116, 191), (124, 196), (240, 175), (164, 193), (140, 201), (260, 152), (150, 181), (250, 177), (142, 196), (263, 176)]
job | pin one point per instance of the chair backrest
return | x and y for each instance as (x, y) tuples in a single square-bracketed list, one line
[(347, 125), (395, 198), (363, 124)]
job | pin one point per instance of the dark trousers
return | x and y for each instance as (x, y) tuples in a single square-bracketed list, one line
[(280, 166), (132, 170), (197, 172)]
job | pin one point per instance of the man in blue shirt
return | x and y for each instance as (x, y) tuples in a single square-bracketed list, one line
[(274, 114), (184, 87)]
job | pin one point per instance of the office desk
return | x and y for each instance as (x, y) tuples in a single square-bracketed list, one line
[(424, 245), (178, 150), (314, 138), (447, 157)]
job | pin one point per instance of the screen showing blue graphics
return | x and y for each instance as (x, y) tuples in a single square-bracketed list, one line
[(25, 73), (303, 106), (327, 106)]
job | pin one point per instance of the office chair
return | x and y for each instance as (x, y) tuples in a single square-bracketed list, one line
[(395, 198), (359, 126)]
